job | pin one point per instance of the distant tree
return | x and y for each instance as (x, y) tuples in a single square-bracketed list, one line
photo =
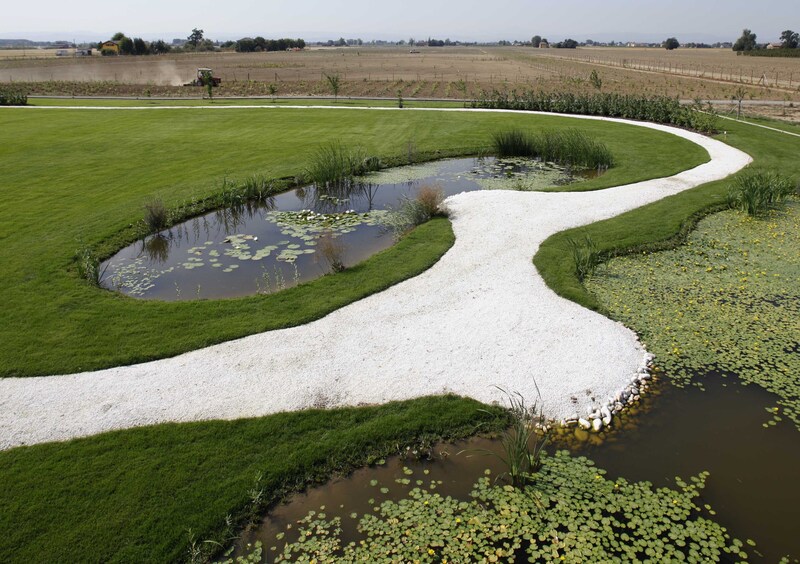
[(747, 42), (567, 44), (126, 46), (671, 43), (140, 47), (195, 37), (245, 45), (790, 39), (342, 42), (119, 36), (595, 80), (159, 47), (273, 90), (412, 42), (536, 41), (334, 83)]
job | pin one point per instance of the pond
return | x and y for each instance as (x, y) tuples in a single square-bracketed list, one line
[(752, 489), (279, 244)]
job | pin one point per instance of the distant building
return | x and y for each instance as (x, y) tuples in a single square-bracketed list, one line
[(110, 46), (544, 44), (775, 46)]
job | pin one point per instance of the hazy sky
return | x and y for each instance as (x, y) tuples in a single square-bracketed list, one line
[(455, 19)]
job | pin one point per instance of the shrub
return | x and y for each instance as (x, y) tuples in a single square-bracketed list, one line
[(658, 109), (755, 192), (11, 96)]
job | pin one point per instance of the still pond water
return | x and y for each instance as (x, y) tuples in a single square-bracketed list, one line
[(250, 250), (753, 486)]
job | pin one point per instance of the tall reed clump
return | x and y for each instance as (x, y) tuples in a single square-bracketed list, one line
[(335, 163), (585, 255), (426, 204), (756, 192), (88, 266), (566, 147), (12, 96), (524, 442), (155, 214), (513, 143), (254, 189)]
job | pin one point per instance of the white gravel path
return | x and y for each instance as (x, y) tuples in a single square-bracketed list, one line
[(481, 317)]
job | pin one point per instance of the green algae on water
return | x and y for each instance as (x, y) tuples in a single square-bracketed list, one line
[(726, 301)]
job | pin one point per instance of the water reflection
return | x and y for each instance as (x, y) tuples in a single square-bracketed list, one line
[(234, 251)]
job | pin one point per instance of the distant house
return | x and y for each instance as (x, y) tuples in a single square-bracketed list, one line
[(544, 45), (775, 46), (110, 46), (83, 53)]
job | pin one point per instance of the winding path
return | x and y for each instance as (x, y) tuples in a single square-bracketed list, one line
[(481, 317)]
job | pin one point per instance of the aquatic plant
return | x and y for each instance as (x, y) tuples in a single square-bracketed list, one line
[(566, 147), (725, 302), (88, 266), (155, 214), (426, 204), (512, 143), (585, 256), (585, 517), (334, 163), (755, 192), (524, 442)]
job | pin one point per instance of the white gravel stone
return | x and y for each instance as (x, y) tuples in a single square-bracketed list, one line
[(481, 317)]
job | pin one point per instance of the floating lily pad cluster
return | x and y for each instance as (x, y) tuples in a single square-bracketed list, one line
[(401, 174), (569, 512), (520, 174), (728, 300), (134, 277)]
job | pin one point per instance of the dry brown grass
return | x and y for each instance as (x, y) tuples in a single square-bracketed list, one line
[(430, 199), (451, 72)]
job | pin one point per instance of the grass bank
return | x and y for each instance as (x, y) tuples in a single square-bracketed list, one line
[(140, 495), (79, 178), (666, 223)]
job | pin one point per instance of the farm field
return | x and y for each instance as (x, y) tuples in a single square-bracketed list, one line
[(450, 72)]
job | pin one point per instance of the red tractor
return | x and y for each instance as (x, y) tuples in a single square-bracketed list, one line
[(204, 77)]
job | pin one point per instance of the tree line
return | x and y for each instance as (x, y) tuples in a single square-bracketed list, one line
[(256, 44), (748, 41), (196, 41)]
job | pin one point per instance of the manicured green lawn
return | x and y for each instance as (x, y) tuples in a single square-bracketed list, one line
[(77, 178), (198, 101)]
